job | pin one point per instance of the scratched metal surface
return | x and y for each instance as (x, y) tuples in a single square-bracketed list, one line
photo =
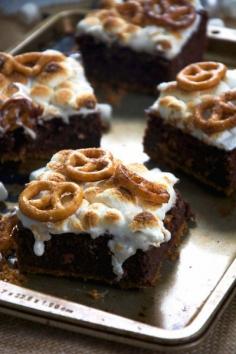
[(192, 288)]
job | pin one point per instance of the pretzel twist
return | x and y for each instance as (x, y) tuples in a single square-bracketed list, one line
[(16, 112), (149, 191), (216, 114), (131, 10), (176, 14), (28, 64), (50, 201), (89, 165), (201, 76), (6, 63)]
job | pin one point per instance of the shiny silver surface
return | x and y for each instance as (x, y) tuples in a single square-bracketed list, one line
[(192, 290)]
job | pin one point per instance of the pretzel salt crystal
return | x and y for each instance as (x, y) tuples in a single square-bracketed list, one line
[(149, 191), (89, 165), (201, 76), (50, 201), (216, 114), (52, 176)]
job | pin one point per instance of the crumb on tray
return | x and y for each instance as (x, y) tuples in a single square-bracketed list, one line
[(96, 295)]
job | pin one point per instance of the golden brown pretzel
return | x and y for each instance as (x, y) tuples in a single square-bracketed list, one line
[(176, 14), (149, 191), (48, 201), (131, 10), (32, 63), (216, 114), (6, 63), (24, 63), (89, 165), (28, 64), (17, 112), (201, 76)]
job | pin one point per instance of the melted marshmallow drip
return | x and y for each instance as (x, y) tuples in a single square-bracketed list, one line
[(178, 112), (40, 231), (105, 112), (147, 39), (39, 247), (23, 93)]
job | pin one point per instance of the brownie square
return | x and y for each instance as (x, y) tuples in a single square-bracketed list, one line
[(46, 104), (168, 145), (80, 256), (50, 135), (192, 125), (87, 215), (116, 63)]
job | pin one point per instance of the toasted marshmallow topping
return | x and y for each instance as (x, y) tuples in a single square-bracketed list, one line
[(54, 84), (108, 25), (177, 106), (133, 223)]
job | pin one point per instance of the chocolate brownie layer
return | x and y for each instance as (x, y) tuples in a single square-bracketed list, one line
[(80, 256), (125, 68), (51, 136), (169, 145)]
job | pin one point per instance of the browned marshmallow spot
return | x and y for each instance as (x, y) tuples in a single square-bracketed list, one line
[(41, 92), (91, 193), (90, 219), (143, 220), (112, 217), (53, 74), (63, 96), (86, 100)]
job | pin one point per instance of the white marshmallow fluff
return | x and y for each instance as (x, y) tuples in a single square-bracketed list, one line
[(176, 107), (148, 39), (60, 94)]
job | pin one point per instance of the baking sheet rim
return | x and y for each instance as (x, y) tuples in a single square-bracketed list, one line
[(164, 338), (147, 334)]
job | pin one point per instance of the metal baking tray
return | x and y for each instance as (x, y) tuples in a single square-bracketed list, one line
[(192, 291)]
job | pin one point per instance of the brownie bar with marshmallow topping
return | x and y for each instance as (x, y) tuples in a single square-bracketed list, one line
[(192, 125), (102, 220), (46, 104), (135, 61), (168, 145), (81, 256)]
